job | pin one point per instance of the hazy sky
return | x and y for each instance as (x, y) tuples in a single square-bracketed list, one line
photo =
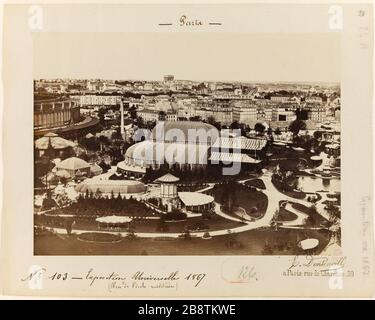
[(190, 56)]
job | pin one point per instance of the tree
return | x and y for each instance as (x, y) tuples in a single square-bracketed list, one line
[(277, 131), (211, 120), (69, 226), (48, 202), (133, 112), (232, 241), (217, 125), (162, 115), (317, 135), (301, 114), (267, 250), (116, 135), (131, 234), (195, 118), (140, 122), (259, 128), (101, 114), (234, 125), (186, 235), (63, 200), (296, 126), (103, 140), (269, 131)]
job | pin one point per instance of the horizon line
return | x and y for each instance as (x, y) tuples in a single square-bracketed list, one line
[(223, 81)]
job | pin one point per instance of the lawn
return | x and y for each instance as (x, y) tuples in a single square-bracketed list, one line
[(193, 224), (214, 222), (315, 219), (257, 183), (289, 158), (290, 193), (254, 242), (98, 237), (285, 215)]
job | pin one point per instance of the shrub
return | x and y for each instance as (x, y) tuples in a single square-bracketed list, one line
[(185, 235), (131, 235), (199, 226), (175, 215), (206, 235)]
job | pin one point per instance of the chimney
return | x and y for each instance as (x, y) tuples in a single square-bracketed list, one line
[(122, 118)]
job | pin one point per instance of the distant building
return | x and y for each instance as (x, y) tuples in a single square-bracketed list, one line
[(244, 114), (94, 85), (55, 113), (223, 115), (168, 78), (238, 91), (314, 99), (337, 115), (268, 113), (248, 151), (171, 116), (280, 98), (148, 115), (212, 86), (283, 114), (97, 99), (148, 86), (317, 114), (154, 115), (186, 151), (278, 114)]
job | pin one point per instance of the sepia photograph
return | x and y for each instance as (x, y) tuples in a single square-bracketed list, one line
[(187, 144), (187, 151)]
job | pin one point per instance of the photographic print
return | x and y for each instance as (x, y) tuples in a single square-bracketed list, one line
[(187, 144), (167, 150)]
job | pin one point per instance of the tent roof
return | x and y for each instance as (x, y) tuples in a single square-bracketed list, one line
[(232, 157), (195, 198), (89, 135), (168, 178), (95, 168), (151, 151), (240, 143), (63, 173), (168, 129), (56, 142), (73, 163), (111, 186), (132, 168)]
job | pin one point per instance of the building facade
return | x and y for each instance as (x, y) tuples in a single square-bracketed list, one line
[(97, 100), (55, 113), (245, 114)]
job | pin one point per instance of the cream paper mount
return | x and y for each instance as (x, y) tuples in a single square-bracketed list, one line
[(206, 150)]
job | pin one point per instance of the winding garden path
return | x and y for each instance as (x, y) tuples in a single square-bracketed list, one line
[(274, 198)]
